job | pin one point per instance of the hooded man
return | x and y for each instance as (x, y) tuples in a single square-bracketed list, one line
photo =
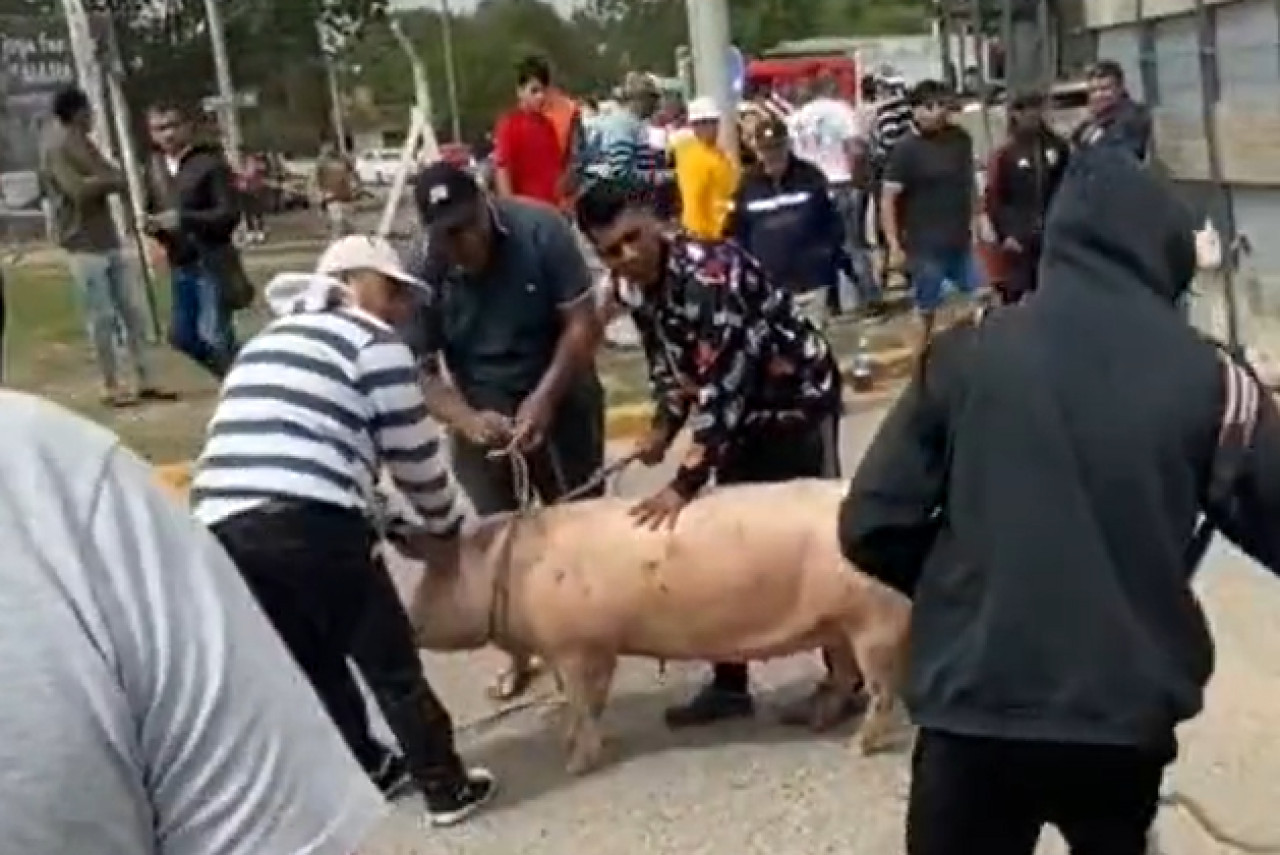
[(1038, 500)]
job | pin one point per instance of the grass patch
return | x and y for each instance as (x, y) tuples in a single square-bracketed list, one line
[(47, 353)]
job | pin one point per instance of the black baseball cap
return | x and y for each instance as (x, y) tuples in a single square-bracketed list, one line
[(446, 195), (772, 134)]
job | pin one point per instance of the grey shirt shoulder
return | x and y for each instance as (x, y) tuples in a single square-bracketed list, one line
[(150, 708)]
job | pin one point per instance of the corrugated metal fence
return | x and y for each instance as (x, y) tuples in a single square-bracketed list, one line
[(1211, 75)]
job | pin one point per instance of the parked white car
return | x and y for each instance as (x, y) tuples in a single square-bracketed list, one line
[(378, 166)]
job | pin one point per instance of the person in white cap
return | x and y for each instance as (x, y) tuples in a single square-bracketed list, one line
[(707, 178), (314, 407)]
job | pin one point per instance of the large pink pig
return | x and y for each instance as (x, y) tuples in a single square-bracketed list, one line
[(749, 572)]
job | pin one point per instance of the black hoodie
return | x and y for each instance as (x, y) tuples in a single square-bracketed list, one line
[(1036, 487), (204, 195)]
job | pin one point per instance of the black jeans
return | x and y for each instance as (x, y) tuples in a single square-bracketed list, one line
[(312, 570), (572, 453), (992, 796), (385, 652), (770, 456)]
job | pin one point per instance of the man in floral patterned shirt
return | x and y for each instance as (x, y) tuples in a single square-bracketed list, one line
[(731, 359)]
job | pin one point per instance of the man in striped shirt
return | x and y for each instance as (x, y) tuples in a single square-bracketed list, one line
[(312, 409), (892, 120)]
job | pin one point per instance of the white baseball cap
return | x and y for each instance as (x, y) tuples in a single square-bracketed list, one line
[(365, 252), (704, 109)]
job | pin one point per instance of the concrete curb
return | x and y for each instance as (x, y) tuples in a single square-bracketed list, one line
[(629, 421)]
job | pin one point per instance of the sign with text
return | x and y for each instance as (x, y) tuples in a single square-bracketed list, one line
[(35, 60)]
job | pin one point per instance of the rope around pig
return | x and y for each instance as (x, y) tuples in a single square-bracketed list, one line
[(1213, 829)]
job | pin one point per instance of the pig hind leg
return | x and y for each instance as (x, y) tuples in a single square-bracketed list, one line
[(587, 680), (831, 699), (879, 659)]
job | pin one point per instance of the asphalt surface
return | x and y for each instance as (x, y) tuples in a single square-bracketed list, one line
[(761, 787)]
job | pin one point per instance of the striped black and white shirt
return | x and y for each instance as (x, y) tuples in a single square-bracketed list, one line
[(313, 407), (894, 119)]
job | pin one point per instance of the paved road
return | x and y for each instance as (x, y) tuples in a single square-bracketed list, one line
[(761, 787)]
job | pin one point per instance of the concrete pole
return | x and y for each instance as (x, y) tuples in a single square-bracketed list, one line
[(450, 70), (228, 111), (709, 44)]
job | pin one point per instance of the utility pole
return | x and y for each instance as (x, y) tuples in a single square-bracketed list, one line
[(450, 70), (709, 44), (228, 111), (336, 114)]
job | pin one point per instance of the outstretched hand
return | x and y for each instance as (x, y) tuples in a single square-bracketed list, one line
[(661, 509)]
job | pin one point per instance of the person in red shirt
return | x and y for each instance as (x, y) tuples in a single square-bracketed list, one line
[(529, 159)]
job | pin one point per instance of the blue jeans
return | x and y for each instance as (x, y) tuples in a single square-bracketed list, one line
[(932, 272), (200, 323), (110, 314), (848, 201)]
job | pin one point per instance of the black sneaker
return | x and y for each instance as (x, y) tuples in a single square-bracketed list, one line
[(393, 777), (710, 705), (451, 805)]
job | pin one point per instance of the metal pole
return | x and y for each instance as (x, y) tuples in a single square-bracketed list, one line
[(1210, 95), (336, 114), (1011, 81), (1045, 68), (129, 162), (419, 129), (450, 70), (228, 113), (709, 44)]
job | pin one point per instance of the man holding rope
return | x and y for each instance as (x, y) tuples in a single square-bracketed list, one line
[(512, 319)]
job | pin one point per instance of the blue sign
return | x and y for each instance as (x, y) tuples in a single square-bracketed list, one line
[(737, 70)]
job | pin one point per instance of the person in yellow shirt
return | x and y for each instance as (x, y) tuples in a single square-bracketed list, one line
[(705, 175)]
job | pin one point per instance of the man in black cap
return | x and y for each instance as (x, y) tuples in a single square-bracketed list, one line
[(513, 319)]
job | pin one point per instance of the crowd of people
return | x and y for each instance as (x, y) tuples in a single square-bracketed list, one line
[(1053, 654)]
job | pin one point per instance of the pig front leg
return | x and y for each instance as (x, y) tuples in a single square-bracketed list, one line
[(587, 679)]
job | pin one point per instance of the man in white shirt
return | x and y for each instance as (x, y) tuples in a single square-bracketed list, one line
[(149, 707), (826, 132)]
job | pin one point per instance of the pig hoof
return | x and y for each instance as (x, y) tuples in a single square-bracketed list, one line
[(514, 682), (585, 759)]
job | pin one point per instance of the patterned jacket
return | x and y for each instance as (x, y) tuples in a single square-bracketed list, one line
[(728, 353)]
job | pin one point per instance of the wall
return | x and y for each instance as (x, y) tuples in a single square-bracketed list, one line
[(1157, 42)]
